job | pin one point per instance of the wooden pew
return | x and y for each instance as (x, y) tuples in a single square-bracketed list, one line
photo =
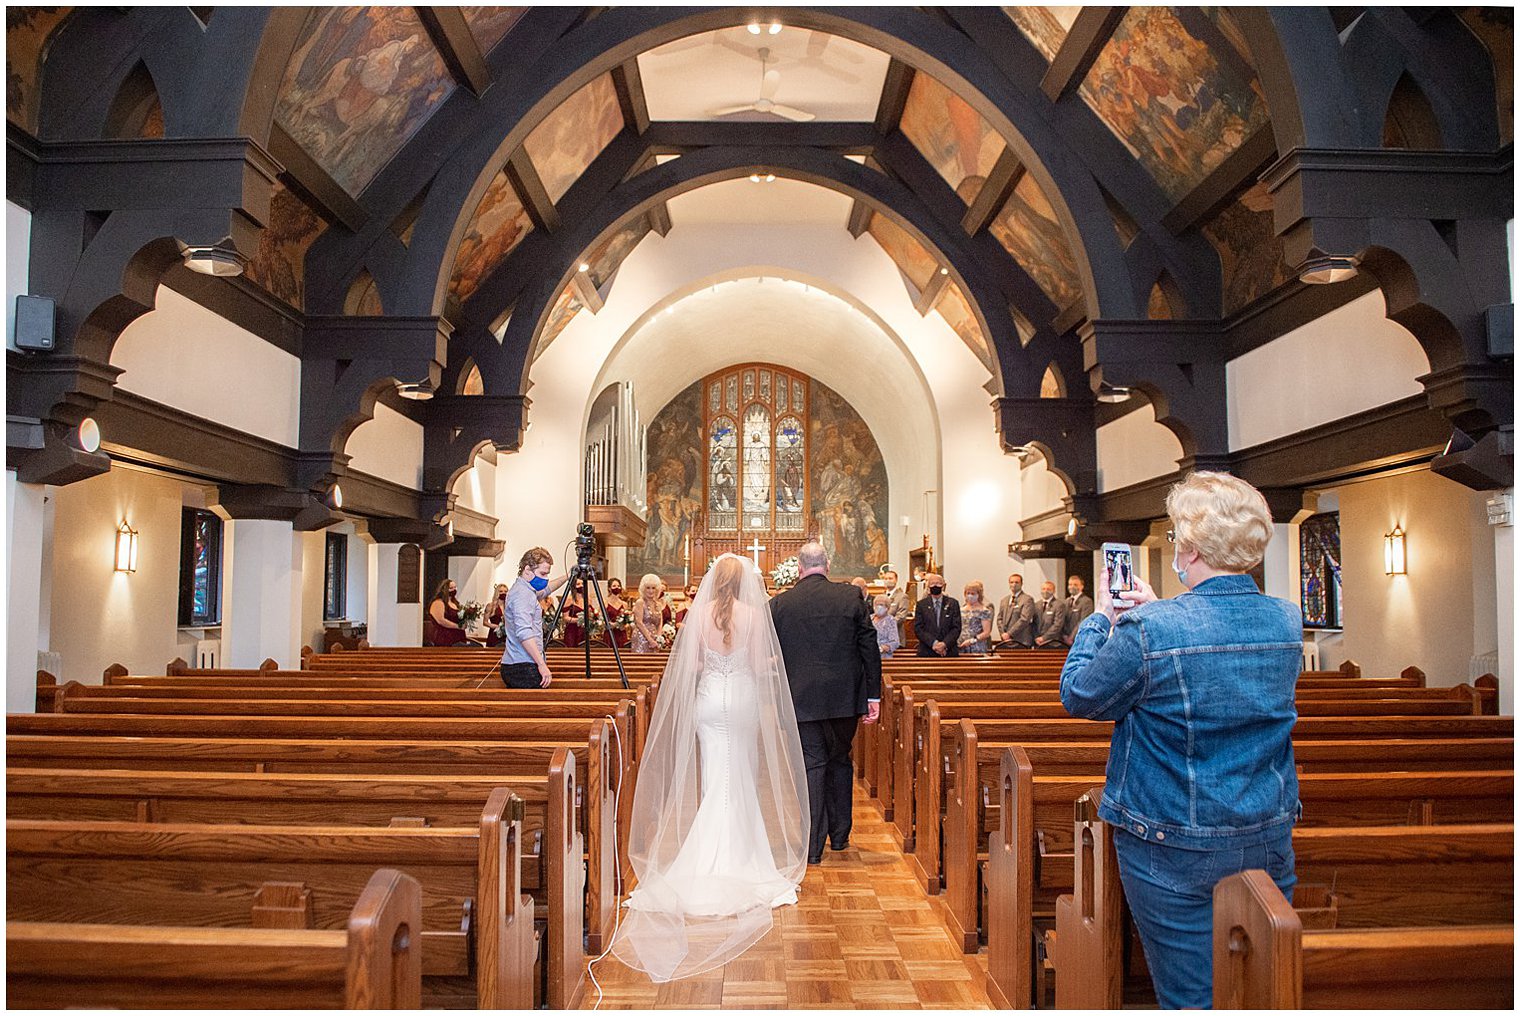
[(1030, 857), (373, 962), (1265, 959), (1365, 877), (474, 916)]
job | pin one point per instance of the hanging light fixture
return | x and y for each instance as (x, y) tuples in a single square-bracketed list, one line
[(219, 261), (126, 548), (418, 391), (1394, 560), (87, 437), (1325, 269), (1114, 393)]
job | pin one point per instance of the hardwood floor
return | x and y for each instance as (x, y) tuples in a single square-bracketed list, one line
[(862, 936)]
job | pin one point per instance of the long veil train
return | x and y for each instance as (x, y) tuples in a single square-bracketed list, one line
[(719, 824)]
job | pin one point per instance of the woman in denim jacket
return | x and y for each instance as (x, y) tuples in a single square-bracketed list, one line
[(1200, 781)]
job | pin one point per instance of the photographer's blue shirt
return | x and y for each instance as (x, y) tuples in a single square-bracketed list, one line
[(1201, 692), (524, 620)]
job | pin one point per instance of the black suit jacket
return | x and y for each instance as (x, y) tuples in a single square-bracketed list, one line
[(829, 646), (948, 630)]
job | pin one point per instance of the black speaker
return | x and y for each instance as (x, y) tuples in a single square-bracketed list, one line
[(34, 323)]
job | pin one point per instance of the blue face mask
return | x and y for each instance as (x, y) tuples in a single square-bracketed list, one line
[(1180, 572), (539, 583)]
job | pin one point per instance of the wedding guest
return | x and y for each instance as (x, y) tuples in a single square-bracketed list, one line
[(1079, 606), (887, 636), (667, 612), (976, 622), (522, 660), (443, 611), (574, 619), (897, 599), (864, 587), (1015, 615), (616, 607), (496, 616), (647, 616), (691, 596), (937, 620), (1200, 689), (1050, 619)]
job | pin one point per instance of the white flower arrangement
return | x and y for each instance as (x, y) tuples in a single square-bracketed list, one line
[(786, 573), (471, 613), (667, 635)]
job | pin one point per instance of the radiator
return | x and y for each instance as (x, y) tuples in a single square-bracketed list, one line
[(52, 663), (208, 654), (1311, 656)]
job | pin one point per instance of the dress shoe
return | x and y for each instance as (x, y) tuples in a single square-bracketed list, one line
[(839, 846), (816, 860)]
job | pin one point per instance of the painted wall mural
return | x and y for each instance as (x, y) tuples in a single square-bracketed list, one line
[(28, 32), (490, 25), (910, 256), (361, 81), (956, 310), (953, 137), (565, 308), (1028, 229), (606, 259), (574, 134), (499, 224), (279, 265), (1175, 90), (816, 452), (1046, 27), (1250, 253)]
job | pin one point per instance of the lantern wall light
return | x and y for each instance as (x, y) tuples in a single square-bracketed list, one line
[(1394, 559), (126, 548)]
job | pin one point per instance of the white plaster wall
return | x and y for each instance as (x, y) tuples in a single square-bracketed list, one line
[(185, 356), (25, 566), (101, 616), (1134, 448), (264, 569), (476, 488), (1350, 360), (920, 394), (474, 576), (1504, 614), (313, 587), (18, 241), (1443, 613), (358, 579), (390, 623), (388, 446)]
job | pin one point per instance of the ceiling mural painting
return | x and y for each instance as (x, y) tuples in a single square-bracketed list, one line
[(956, 310), (1179, 104), (490, 25), (28, 33), (574, 134), (565, 308), (608, 257), (916, 263), (1250, 251), (361, 81), (499, 224), (953, 137), (279, 265), (1028, 229), (1046, 27)]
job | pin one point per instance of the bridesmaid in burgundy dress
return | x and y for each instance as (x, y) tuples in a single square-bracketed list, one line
[(575, 625), (444, 613), (616, 607), (497, 616)]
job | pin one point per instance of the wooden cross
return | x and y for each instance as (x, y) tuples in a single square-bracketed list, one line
[(755, 548)]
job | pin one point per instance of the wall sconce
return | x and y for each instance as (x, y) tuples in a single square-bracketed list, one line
[(126, 548), (1393, 553)]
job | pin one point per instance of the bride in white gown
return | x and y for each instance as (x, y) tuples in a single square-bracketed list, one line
[(720, 819)]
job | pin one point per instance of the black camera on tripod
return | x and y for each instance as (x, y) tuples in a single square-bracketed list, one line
[(585, 549)]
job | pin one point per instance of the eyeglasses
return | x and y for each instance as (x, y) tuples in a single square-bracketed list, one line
[(1171, 536)]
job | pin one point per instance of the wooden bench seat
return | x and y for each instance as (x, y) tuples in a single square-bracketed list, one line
[(474, 916), (372, 962), (1265, 959)]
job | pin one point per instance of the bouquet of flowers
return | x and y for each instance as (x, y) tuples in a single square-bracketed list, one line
[(471, 613), (668, 635), (786, 573), (595, 626)]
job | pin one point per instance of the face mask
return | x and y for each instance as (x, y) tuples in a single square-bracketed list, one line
[(936, 590), (1181, 572), (881, 610), (972, 598), (539, 583)]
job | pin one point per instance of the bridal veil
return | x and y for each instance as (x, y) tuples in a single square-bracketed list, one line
[(707, 883)]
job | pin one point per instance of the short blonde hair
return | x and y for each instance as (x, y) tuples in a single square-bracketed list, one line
[(650, 581), (974, 586), (1223, 518)]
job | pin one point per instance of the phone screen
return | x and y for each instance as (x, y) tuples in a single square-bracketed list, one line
[(1120, 573)]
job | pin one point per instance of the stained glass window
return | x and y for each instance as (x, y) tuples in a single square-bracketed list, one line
[(749, 385), (733, 394), (791, 476), (780, 393), (335, 578), (715, 397), (757, 462), (765, 386), (722, 475), (200, 568), (1319, 549), (798, 405)]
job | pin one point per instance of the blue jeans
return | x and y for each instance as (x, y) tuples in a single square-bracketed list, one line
[(1171, 897)]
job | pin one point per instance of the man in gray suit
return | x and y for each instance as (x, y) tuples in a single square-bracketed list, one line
[(1015, 615), (1078, 606), (1050, 619), (897, 599)]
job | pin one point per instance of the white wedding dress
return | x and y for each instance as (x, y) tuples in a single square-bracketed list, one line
[(720, 821)]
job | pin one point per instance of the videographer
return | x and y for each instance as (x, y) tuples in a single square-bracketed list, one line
[(1200, 780), (522, 663)]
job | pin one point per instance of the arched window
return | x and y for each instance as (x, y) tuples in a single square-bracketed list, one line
[(722, 475)]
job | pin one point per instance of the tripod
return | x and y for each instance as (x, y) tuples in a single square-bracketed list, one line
[(586, 576)]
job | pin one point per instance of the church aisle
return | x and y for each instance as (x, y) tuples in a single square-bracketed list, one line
[(863, 935)]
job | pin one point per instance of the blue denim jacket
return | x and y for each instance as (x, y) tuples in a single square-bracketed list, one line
[(1201, 691)]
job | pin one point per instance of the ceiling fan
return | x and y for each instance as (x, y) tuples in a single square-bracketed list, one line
[(770, 80)]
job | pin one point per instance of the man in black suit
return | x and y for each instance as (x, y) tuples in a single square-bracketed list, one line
[(834, 668), (937, 620), (1050, 617)]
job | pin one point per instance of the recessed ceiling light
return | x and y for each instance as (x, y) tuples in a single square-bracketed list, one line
[(585, 267), (754, 28), (770, 178), (754, 178), (775, 28), (944, 271)]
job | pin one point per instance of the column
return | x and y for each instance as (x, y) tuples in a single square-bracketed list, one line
[(391, 622), (1504, 607), (24, 536), (1281, 564), (261, 593)]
